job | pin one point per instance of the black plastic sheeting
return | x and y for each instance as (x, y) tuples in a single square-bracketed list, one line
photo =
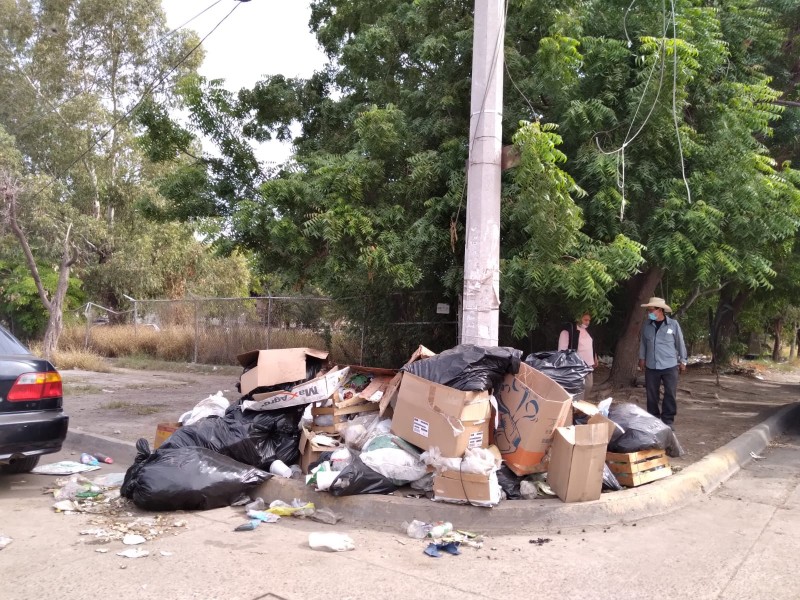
[(509, 482), (189, 478), (610, 481), (564, 367), (643, 431), (256, 438), (468, 367), (358, 478)]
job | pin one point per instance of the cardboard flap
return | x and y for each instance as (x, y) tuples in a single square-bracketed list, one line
[(599, 419), (248, 359), (321, 354), (591, 435)]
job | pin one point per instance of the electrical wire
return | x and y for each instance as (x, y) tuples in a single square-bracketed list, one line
[(674, 103), (141, 99)]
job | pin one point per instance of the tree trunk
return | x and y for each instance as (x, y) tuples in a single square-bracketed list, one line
[(793, 346), (723, 324), (776, 346), (626, 352)]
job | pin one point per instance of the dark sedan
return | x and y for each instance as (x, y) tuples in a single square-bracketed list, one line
[(32, 420)]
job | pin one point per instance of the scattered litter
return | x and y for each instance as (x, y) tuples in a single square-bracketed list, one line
[(434, 550), (101, 550), (64, 467), (4, 541), (263, 516), (325, 515), (65, 506), (540, 541), (249, 525), (166, 553), (180, 523), (88, 459), (245, 500), (417, 529), (132, 539), (755, 456), (117, 432), (213, 406), (134, 553), (297, 508), (279, 468), (331, 542), (111, 480)]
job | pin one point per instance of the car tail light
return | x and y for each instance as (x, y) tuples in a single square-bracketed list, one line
[(35, 386)]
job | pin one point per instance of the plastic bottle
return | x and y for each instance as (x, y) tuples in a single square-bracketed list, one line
[(279, 468), (103, 458), (88, 459), (439, 530), (417, 529)]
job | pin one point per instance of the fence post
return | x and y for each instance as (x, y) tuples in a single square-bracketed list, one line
[(363, 331), (196, 328), (269, 317), (88, 326)]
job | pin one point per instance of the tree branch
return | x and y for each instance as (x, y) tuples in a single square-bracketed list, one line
[(695, 295)]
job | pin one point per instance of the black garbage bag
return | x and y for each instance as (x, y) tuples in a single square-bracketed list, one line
[(509, 482), (610, 481), (643, 431), (189, 478), (358, 478), (256, 438), (564, 367), (468, 367)]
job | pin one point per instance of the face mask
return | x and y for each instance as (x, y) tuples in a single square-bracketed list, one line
[(652, 316)]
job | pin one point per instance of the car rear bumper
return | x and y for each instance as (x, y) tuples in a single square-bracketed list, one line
[(32, 433)]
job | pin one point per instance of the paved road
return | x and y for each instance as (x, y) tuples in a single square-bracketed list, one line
[(740, 542)]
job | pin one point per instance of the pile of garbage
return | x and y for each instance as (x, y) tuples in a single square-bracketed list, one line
[(471, 425)]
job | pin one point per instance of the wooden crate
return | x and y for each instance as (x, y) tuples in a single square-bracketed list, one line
[(340, 415), (637, 468)]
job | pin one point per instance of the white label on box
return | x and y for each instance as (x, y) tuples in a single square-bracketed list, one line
[(420, 427), (475, 439)]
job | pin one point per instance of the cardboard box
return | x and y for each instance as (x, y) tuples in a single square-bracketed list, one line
[(316, 390), (577, 459), (428, 414), (389, 399), (465, 488), (309, 450), (163, 431), (531, 407), (273, 367)]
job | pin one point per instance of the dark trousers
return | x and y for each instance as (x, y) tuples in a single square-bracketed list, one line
[(653, 379)]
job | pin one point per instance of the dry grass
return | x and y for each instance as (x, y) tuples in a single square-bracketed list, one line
[(141, 410), (66, 359)]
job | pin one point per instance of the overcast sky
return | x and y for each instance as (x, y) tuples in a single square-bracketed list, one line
[(261, 37)]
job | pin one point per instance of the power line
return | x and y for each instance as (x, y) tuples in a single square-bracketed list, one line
[(127, 114)]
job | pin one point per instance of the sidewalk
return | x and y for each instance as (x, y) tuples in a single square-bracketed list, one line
[(701, 473)]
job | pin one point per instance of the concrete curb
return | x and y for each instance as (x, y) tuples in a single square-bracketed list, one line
[(516, 516)]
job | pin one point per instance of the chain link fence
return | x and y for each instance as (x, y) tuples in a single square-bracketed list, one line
[(378, 331)]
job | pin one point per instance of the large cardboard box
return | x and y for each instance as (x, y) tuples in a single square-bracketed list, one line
[(316, 390), (531, 407), (428, 414), (577, 459), (273, 367), (465, 488)]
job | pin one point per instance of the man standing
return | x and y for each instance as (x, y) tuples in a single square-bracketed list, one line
[(662, 353)]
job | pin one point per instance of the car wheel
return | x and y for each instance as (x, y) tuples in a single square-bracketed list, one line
[(20, 465)]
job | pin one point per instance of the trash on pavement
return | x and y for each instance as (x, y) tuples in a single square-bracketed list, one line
[(434, 550), (755, 456), (531, 406), (103, 458), (473, 481), (213, 406), (575, 471), (358, 478), (257, 504), (325, 515), (394, 458), (88, 459), (637, 468), (610, 481), (417, 529), (331, 542), (188, 478), (132, 539), (4, 541), (134, 553), (263, 516), (248, 525), (297, 508), (509, 482), (64, 467), (279, 468), (312, 445)]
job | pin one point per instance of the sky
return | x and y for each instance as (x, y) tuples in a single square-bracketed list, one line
[(261, 37)]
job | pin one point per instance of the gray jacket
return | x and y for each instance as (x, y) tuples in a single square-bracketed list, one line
[(663, 348)]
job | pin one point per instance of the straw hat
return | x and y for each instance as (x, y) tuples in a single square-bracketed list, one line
[(656, 302)]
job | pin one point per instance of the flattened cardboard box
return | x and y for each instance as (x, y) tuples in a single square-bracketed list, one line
[(577, 460), (531, 407), (428, 414), (310, 451), (273, 367), (316, 390)]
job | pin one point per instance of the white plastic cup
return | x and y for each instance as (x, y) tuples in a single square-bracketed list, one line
[(280, 469)]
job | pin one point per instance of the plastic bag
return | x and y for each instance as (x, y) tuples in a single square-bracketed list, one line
[(468, 367), (255, 438), (213, 406), (358, 478), (564, 367), (509, 482), (610, 481), (187, 479), (394, 458), (643, 431)]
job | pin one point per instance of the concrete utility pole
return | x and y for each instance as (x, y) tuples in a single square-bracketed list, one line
[(481, 305)]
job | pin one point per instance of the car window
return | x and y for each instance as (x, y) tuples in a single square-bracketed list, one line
[(10, 345)]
